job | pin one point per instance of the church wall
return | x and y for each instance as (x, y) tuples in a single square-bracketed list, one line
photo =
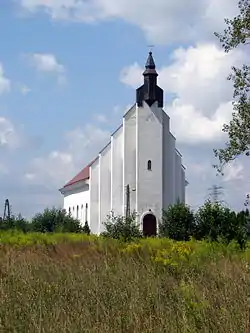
[(183, 185), (94, 197), (129, 125), (172, 141), (117, 171), (105, 185), (178, 177), (149, 148), (76, 201), (167, 169)]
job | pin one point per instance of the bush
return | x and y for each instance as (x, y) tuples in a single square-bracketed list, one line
[(15, 222), (177, 222), (55, 220), (120, 227), (86, 228), (216, 222)]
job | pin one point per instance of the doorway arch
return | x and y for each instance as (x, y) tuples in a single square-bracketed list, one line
[(149, 225)]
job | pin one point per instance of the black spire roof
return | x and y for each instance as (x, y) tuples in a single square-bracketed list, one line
[(150, 65), (149, 91), (150, 61)]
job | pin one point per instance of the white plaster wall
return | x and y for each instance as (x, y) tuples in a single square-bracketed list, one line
[(129, 125), (94, 197), (172, 159), (183, 179), (105, 185), (117, 172), (77, 197), (149, 147), (167, 168), (178, 177)]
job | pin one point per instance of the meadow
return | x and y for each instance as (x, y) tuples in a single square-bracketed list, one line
[(79, 283)]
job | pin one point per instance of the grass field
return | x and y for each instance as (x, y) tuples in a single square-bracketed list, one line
[(75, 283)]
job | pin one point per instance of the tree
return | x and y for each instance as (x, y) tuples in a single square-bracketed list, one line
[(177, 222), (55, 220), (121, 227), (237, 33), (15, 222), (216, 222)]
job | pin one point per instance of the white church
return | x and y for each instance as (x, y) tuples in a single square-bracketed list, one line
[(138, 170)]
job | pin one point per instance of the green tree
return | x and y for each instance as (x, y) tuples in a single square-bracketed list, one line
[(15, 222), (177, 222), (86, 228), (121, 227), (55, 220), (237, 33), (216, 222)]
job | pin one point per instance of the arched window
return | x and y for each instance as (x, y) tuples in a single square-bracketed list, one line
[(149, 165), (82, 216), (86, 213), (77, 211)]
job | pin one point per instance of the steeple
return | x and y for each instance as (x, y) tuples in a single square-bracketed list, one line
[(150, 65), (149, 91)]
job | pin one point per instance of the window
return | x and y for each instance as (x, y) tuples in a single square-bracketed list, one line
[(86, 213), (149, 165), (82, 216), (77, 211)]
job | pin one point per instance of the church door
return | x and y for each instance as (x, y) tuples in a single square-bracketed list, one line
[(149, 225)]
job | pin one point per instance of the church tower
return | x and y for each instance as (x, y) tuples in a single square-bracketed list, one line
[(149, 147), (149, 91)]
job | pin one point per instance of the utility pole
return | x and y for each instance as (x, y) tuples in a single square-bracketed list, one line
[(127, 201), (6, 214)]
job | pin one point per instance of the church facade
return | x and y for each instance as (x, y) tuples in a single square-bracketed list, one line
[(139, 169)]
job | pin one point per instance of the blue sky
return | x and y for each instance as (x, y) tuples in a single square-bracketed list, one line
[(69, 70)]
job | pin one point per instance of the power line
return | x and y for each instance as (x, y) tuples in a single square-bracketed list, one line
[(215, 193)]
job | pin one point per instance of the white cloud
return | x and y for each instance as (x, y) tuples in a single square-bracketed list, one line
[(234, 171), (196, 77), (46, 62), (5, 83), (58, 167), (162, 21), (9, 135)]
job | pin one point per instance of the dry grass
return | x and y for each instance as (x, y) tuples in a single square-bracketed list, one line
[(98, 286)]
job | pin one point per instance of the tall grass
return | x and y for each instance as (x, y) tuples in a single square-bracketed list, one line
[(74, 283)]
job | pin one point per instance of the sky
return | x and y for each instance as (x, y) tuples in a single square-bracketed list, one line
[(68, 73)]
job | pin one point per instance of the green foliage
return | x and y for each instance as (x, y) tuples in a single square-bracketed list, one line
[(177, 222), (86, 228), (123, 228), (216, 222), (238, 130), (15, 222), (238, 29), (77, 283), (55, 220)]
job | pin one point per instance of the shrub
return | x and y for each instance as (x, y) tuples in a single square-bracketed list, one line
[(177, 222), (216, 222), (55, 220), (120, 227), (15, 222), (86, 228)]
